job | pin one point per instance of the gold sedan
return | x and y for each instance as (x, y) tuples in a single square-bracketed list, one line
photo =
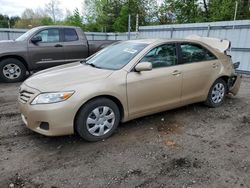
[(124, 81)]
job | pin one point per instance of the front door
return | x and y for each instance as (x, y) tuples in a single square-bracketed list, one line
[(158, 89), (48, 52)]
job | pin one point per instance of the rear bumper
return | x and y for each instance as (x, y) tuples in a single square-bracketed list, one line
[(234, 84)]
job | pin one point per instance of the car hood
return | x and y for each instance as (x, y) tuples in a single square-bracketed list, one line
[(65, 77)]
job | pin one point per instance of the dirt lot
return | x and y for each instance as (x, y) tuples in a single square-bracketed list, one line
[(193, 146)]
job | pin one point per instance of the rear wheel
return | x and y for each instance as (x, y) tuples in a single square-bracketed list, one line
[(97, 119), (217, 93), (12, 70)]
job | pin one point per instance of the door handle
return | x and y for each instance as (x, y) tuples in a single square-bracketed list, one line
[(215, 65), (58, 45), (176, 72)]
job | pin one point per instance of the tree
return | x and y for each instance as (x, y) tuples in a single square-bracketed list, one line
[(222, 10), (121, 23), (75, 19), (32, 18), (6, 21), (184, 11), (112, 15), (52, 8)]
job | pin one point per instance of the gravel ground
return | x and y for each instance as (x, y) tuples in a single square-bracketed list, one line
[(192, 146)]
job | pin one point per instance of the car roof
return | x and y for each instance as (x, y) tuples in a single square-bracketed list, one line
[(159, 41), (55, 26), (152, 41)]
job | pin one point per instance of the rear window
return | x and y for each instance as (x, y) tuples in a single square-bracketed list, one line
[(195, 53), (70, 35)]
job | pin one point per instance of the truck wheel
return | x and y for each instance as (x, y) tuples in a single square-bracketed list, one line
[(97, 119), (12, 70), (216, 93)]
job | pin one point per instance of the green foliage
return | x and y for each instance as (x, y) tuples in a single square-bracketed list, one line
[(74, 20), (6, 21), (112, 15), (192, 11), (121, 23), (221, 10)]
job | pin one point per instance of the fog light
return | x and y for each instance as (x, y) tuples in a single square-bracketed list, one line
[(44, 125)]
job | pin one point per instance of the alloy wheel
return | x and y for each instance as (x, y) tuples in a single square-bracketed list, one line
[(11, 71), (218, 93)]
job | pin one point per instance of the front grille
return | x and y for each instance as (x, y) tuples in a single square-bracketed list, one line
[(25, 95)]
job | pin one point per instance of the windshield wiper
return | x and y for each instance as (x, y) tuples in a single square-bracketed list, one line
[(91, 64), (83, 61)]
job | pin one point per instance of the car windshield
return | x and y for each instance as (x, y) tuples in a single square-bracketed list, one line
[(116, 56), (24, 36)]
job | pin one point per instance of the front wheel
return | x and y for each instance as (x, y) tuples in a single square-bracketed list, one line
[(12, 70), (97, 119), (217, 93)]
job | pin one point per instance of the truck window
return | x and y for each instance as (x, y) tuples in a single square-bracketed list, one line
[(70, 35), (49, 35)]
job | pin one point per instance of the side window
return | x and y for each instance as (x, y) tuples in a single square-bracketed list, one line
[(49, 35), (162, 56), (195, 53), (70, 35)]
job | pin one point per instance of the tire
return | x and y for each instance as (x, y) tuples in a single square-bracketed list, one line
[(217, 93), (12, 70), (94, 120)]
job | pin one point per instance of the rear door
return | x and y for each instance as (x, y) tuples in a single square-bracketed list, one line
[(158, 89), (48, 52), (75, 46), (199, 68)]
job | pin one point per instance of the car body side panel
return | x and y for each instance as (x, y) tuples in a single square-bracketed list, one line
[(14, 49), (153, 91), (197, 80), (44, 55), (113, 86), (76, 50)]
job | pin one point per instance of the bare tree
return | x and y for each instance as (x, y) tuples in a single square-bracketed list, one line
[(53, 9)]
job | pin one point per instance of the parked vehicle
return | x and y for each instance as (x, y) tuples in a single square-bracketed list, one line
[(44, 47), (125, 81)]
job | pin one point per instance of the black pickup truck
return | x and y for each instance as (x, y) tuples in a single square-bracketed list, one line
[(44, 47)]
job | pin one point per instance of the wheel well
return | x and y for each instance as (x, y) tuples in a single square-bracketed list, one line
[(114, 99), (226, 79), (16, 57)]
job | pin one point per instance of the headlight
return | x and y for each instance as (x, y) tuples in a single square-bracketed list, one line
[(47, 98)]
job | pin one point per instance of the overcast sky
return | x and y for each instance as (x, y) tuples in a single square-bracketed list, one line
[(16, 7)]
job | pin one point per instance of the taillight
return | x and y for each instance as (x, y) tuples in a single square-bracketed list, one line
[(236, 65)]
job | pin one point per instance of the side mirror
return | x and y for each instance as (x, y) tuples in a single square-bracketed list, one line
[(36, 39), (143, 66)]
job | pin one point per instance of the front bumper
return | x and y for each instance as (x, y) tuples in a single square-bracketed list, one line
[(234, 84), (59, 116)]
